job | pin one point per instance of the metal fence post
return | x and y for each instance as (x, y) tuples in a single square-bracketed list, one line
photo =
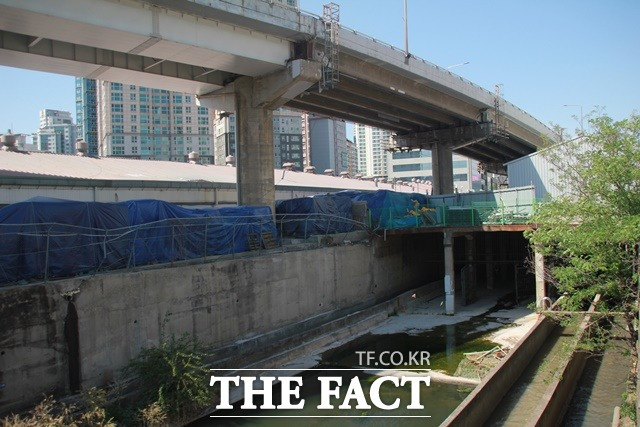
[(46, 259), (206, 225)]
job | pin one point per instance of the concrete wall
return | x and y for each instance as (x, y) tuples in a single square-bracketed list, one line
[(480, 404), (219, 302)]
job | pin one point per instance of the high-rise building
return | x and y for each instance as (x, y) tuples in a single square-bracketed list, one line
[(373, 155), (405, 166), (352, 154), (57, 132), (139, 122), (325, 143), (87, 113), (287, 137)]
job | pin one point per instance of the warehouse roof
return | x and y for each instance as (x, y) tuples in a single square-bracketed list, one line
[(46, 166)]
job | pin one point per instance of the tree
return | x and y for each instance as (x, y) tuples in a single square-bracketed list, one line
[(591, 236)]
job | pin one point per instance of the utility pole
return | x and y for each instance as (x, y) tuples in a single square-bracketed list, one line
[(407, 55)]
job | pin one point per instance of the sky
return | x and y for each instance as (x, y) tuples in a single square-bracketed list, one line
[(543, 53)]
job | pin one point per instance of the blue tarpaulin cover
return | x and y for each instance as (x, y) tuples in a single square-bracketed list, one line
[(315, 215), (84, 237), (390, 209)]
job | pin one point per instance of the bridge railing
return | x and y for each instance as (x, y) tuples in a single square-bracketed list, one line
[(48, 251)]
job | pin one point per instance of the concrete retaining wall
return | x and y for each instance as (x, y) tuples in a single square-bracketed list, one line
[(479, 405), (219, 302), (557, 396)]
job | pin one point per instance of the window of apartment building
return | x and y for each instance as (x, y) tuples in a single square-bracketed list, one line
[(134, 150), (117, 151), (144, 129), (134, 139), (187, 99), (177, 99), (160, 109), (160, 99), (145, 140), (117, 118), (144, 118), (203, 130), (117, 108), (117, 128), (177, 120), (203, 111), (203, 120), (132, 87), (177, 109), (189, 130), (133, 118), (203, 140), (117, 140), (178, 129), (134, 129), (187, 110), (116, 96), (144, 108), (143, 89), (187, 119), (116, 86), (144, 97)]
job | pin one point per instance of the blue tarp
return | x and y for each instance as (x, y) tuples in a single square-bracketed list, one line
[(76, 233), (390, 209), (315, 215), (84, 237)]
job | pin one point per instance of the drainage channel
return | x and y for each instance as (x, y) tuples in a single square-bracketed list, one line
[(446, 346), (601, 386), (522, 399)]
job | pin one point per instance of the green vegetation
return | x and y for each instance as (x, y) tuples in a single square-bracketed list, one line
[(590, 237), (169, 386), (173, 377)]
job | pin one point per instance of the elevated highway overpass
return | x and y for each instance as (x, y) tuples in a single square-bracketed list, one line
[(252, 56)]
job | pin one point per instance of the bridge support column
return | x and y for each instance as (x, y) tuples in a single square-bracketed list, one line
[(449, 274), (541, 291), (442, 167), (253, 100), (254, 148), (488, 254), (470, 271)]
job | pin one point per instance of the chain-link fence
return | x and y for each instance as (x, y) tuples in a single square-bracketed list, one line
[(47, 251)]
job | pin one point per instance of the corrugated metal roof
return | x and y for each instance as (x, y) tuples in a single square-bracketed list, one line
[(56, 166)]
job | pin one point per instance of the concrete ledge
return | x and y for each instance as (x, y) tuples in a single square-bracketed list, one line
[(556, 398), (480, 404)]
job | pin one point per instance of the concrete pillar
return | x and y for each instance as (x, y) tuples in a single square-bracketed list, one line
[(442, 167), (488, 253), (254, 148), (541, 291), (504, 267), (449, 274), (471, 281)]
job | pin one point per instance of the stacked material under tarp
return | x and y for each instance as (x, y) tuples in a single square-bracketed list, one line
[(390, 209), (85, 237), (63, 237), (315, 215)]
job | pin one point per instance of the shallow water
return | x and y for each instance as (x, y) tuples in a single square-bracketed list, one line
[(600, 388)]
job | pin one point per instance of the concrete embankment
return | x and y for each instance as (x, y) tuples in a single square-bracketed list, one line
[(76, 333), (534, 384)]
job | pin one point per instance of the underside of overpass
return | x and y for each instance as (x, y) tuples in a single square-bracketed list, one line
[(252, 57)]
